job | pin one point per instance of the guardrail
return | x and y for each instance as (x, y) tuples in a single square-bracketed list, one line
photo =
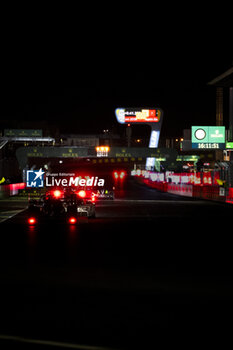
[(205, 185)]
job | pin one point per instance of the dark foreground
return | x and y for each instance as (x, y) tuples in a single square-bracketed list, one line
[(152, 268)]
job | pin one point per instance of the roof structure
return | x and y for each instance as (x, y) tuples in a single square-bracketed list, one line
[(223, 80)]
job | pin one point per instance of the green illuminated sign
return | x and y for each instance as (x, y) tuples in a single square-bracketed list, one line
[(208, 137), (229, 145)]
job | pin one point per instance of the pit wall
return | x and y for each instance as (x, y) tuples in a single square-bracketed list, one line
[(196, 185)]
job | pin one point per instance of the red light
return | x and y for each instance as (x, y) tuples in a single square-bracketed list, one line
[(31, 221), (118, 175), (122, 174), (72, 220), (93, 198), (57, 194), (82, 194)]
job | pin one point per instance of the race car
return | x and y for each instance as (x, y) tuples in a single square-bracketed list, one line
[(67, 203), (105, 194)]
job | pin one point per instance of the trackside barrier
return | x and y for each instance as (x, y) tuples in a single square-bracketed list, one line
[(215, 193), (180, 189), (229, 197), (162, 186), (11, 189), (202, 189)]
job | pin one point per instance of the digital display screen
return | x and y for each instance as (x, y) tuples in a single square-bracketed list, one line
[(208, 137), (137, 115)]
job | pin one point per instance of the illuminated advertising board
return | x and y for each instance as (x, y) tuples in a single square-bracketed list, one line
[(138, 115), (208, 137), (150, 116)]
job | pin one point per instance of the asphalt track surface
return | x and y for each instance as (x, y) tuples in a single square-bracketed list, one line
[(150, 269)]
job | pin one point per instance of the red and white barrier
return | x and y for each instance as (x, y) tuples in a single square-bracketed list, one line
[(11, 189), (200, 185)]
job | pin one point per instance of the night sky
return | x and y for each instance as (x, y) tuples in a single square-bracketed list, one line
[(82, 97)]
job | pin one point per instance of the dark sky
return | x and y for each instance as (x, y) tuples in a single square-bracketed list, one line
[(72, 67), (80, 96)]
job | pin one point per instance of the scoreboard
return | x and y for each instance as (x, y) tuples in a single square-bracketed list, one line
[(137, 115)]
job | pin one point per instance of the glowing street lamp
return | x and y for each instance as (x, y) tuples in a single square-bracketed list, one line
[(102, 151)]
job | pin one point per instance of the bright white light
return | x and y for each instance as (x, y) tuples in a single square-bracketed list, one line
[(154, 141), (150, 162), (120, 114)]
